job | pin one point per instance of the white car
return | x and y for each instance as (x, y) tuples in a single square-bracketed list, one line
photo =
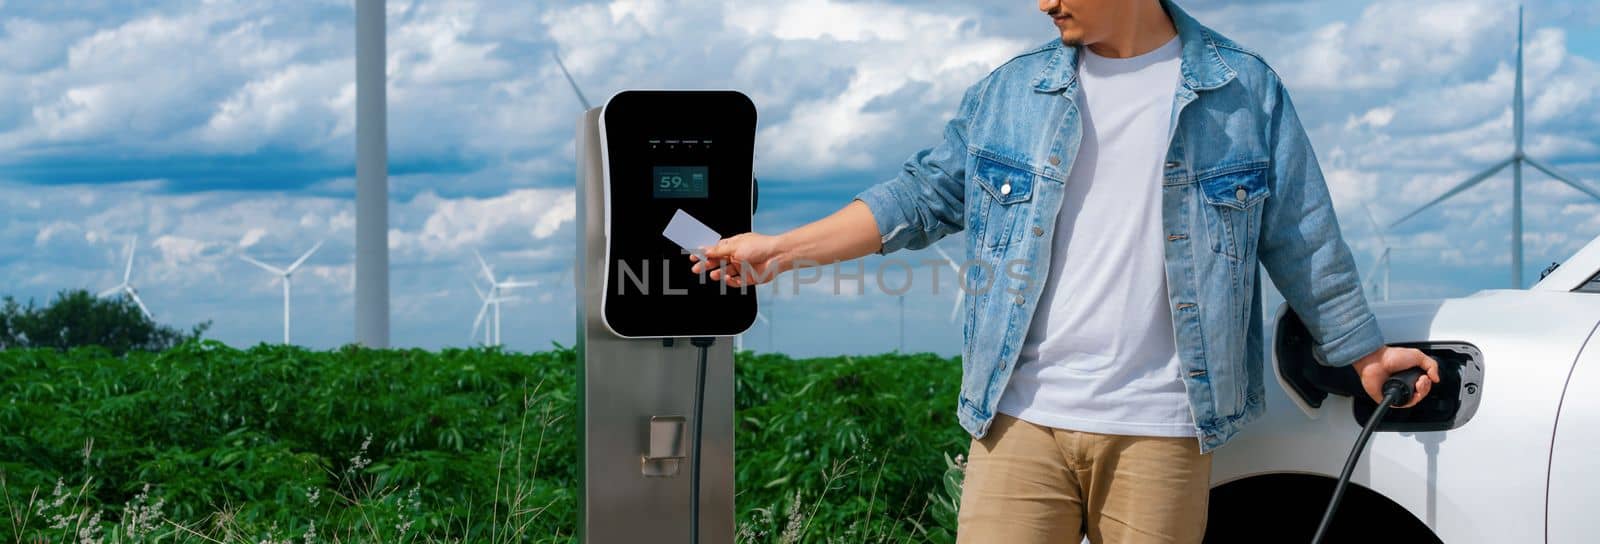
[(1505, 450)]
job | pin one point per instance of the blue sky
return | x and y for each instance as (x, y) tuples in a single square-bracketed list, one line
[(215, 129)]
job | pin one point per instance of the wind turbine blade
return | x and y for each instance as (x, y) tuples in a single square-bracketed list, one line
[(302, 259), (947, 259), (1371, 273), (1372, 279), (478, 322), (517, 284), (479, 291), (487, 272), (1376, 228), (133, 246), (1573, 183), (264, 266), (1468, 184), (955, 309), (142, 308), (111, 291), (572, 82)]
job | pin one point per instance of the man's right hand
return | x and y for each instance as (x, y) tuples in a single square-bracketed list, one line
[(746, 259), (754, 259)]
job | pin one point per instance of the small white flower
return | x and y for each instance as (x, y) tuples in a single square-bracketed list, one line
[(360, 460)]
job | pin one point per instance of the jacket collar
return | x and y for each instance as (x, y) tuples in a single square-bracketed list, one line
[(1202, 66)]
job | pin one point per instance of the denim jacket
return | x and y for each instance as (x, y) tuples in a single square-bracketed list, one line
[(1241, 186)]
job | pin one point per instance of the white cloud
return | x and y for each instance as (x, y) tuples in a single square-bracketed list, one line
[(1403, 99), (1394, 41), (251, 237), (1375, 118), (451, 226), (813, 68)]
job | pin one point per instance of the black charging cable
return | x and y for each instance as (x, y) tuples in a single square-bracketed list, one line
[(704, 343), (1396, 389)]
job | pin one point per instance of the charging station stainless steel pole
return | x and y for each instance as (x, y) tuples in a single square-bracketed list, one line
[(635, 399)]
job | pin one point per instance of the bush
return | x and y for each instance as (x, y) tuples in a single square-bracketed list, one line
[(849, 445), (77, 319), (208, 443)]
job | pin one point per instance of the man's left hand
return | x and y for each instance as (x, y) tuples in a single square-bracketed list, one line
[(1377, 366)]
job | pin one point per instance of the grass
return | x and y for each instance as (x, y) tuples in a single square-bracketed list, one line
[(206, 443)]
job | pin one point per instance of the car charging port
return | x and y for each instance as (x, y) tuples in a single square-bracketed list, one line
[(1453, 402), (1460, 373)]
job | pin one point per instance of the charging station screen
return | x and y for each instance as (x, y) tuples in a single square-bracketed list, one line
[(662, 148), (681, 182)]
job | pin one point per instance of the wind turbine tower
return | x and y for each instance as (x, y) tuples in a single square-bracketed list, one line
[(372, 176)]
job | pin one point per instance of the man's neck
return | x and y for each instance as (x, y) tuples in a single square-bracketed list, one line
[(1146, 28)]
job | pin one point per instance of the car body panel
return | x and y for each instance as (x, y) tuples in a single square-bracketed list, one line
[(1482, 482), (1575, 456), (1574, 271)]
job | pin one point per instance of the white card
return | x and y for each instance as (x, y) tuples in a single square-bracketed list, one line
[(689, 233)]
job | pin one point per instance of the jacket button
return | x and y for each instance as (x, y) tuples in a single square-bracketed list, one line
[(1055, 161), (1038, 231), (1240, 194), (1005, 189), (1019, 300)]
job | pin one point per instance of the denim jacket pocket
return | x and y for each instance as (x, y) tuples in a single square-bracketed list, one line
[(1001, 205), (1233, 212)]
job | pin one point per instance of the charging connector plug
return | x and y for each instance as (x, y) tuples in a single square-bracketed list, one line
[(1398, 388)]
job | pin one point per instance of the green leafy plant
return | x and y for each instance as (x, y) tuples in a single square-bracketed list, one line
[(206, 443), (945, 502)]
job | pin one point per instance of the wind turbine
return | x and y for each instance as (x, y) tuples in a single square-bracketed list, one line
[(956, 308), (496, 293), (126, 287), (491, 334), (285, 274), (1517, 159)]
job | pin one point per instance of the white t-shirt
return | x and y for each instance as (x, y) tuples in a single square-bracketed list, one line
[(1100, 355)]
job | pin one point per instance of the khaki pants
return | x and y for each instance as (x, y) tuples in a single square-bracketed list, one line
[(1027, 483)]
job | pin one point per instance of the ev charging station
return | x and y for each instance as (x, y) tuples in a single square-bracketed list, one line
[(655, 383)]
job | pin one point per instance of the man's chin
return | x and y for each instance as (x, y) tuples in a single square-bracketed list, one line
[(1072, 38)]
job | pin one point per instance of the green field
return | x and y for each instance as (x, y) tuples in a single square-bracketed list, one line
[(206, 443)]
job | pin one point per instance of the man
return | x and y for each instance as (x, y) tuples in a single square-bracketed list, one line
[(1146, 167)]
